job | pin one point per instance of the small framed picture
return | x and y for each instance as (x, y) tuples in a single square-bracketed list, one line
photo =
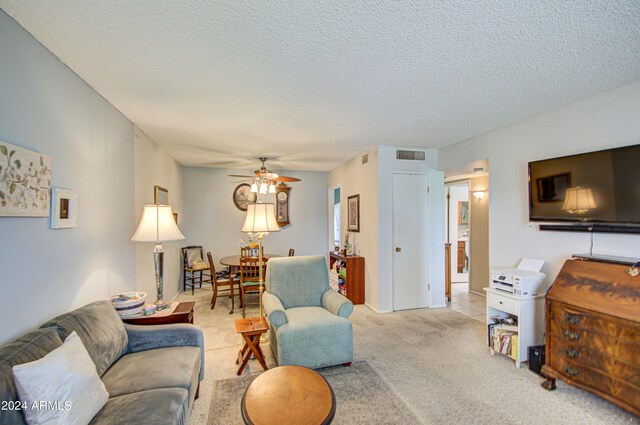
[(64, 209), (160, 195), (353, 213)]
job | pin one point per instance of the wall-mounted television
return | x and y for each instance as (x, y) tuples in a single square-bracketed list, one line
[(600, 187)]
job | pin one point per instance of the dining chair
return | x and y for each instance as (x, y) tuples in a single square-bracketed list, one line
[(249, 279), (194, 270), (292, 252), (226, 284)]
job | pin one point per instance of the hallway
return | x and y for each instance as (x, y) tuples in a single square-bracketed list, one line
[(466, 303)]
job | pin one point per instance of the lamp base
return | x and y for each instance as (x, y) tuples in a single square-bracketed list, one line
[(161, 304)]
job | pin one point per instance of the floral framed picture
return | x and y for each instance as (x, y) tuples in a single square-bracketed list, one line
[(25, 182), (353, 213)]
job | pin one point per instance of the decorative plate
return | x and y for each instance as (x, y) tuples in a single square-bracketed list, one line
[(242, 196)]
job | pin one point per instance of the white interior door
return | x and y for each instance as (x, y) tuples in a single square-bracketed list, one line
[(411, 241)]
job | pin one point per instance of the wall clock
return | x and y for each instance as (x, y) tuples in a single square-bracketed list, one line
[(282, 205), (242, 196)]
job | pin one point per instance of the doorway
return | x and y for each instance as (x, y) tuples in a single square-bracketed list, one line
[(458, 233), (334, 218), (468, 234), (411, 218)]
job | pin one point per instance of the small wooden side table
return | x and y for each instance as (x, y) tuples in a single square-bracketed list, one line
[(183, 313), (289, 395), (251, 329)]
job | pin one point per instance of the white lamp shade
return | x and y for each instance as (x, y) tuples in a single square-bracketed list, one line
[(578, 199), (260, 218), (157, 225)]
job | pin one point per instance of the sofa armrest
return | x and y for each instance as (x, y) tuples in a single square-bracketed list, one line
[(274, 310), (143, 337), (337, 303)]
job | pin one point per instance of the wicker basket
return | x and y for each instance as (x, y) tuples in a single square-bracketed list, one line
[(129, 304)]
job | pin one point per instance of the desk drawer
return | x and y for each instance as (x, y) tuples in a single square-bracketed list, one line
[(502, 303)]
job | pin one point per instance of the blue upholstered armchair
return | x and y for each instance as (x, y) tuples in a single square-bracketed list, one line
[(309, 322)]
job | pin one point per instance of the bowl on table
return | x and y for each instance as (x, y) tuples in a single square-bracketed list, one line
[(129, 304)]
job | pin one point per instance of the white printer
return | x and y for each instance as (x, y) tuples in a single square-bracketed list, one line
[(524, 281)]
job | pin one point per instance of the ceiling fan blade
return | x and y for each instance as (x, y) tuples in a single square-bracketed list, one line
[(287, 179), (243, 181), (238, 175)]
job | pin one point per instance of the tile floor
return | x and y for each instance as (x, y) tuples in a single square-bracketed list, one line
[(466, 303)]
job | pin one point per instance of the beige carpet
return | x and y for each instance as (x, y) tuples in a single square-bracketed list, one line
[(434, 360), (362, 398)]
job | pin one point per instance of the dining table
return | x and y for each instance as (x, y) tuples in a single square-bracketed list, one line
[(233, 261)]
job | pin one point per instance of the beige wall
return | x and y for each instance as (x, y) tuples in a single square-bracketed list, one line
[(154, 166), (49, 109), (608, 120), (355, 178), (212, 220), (479, 258)]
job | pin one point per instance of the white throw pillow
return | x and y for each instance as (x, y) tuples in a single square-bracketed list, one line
[(63, 387)]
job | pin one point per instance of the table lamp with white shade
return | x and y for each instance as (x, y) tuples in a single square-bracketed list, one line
[(260, 221), (158, 225)]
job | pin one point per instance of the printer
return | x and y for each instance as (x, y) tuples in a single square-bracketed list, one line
[(524, 281)]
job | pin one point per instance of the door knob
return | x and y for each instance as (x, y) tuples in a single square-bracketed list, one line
[(398, 249)]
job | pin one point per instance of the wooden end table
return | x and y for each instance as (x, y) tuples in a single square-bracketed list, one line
[(289, 395), (251, 329), (182, 313)]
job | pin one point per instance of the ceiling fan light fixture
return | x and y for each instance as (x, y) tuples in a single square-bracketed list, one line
[(254, 187), (272, 188), (263, 188)]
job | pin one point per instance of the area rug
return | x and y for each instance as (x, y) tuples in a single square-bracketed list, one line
[(362, 397)]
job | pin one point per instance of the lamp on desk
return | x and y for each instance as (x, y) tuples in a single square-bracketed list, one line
[(158, 225), (260, 220)]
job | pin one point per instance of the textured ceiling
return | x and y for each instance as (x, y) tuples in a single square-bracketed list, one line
[(315, 82)]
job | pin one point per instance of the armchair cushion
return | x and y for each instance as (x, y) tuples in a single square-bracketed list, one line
[(298, 281), (274, 310), (337, 303), (143, 338), (314, 338)]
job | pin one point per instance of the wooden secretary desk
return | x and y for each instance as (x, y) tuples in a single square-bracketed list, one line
[(593, 331)]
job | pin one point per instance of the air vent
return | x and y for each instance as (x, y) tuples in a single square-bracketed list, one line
[(365, 158), (410, 155)]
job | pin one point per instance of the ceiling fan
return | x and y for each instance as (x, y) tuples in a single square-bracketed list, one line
[(265, 180)]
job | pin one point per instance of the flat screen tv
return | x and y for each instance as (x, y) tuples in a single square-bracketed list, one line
[(594, 187)]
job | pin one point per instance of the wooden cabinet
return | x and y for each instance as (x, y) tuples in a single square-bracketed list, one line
[(447, 271), (351, 275), (593, 331), (462, 256)]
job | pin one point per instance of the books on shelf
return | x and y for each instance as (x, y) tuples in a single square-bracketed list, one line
[(503, 339)]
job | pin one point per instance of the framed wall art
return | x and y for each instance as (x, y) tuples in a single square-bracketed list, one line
[(353, 213), (64, 208), (160, 195), (463, 212), (25, 182), (242, 196)]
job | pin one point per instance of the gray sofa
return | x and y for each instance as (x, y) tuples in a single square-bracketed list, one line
[(152, 373)]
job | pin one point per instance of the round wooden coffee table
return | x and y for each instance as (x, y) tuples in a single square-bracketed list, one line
[(289, 395)]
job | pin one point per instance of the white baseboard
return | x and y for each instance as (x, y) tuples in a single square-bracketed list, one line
[(439, 306), (376, 310)]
